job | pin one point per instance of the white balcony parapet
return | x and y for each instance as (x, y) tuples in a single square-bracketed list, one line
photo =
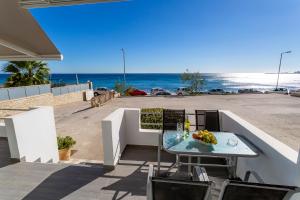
[(277, 163), (32, 135), (120, 128)]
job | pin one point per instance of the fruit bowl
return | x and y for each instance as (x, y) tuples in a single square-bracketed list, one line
[(204, 143), (205, 137)]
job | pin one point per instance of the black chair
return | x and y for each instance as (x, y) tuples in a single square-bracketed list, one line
[(159, 188), (207, 120), (171, 118), (238, 190)]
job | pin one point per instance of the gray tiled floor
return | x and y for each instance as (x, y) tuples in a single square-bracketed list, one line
[(34, 181)]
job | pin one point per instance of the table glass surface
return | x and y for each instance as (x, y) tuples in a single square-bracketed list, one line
[(180, 145)]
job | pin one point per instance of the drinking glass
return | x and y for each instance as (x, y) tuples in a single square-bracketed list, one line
[(179, 130), (179, 127), (232, 142)]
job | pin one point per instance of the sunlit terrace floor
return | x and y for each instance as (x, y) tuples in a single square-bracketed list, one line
[(35, 181)]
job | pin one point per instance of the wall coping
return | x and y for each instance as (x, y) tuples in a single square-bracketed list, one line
[(272, 142), (154, 131)]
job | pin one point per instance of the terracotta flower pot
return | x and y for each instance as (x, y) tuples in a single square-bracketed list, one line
[(64, 154)]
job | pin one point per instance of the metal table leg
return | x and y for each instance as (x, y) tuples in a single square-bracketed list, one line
[(198, 160), (158, 153), (233, 163), (189, 166), (178, 162)]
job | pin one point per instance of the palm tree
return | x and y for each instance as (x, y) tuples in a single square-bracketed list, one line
[(25, 73)]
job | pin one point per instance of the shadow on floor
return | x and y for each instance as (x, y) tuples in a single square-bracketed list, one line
[(63, 182), (133, 184), (128, 179), (15, 109), (5, 159), (78, 111), (145, 154)]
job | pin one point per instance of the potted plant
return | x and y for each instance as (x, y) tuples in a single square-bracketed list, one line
[(64, 147)]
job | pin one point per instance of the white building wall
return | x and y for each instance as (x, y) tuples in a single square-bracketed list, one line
[(277, 162), (32, 135)]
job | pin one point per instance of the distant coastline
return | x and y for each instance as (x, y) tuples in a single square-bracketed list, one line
[(296, 72)]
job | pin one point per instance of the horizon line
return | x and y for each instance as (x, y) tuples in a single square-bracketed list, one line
[(165, 73)]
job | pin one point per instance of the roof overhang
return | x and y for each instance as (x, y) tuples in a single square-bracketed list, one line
[(21, 37), (50, 3)]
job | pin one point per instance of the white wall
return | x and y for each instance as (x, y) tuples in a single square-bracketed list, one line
[(32, 135), (134, 134), (120, 128), (113, 136), (277, 163), (89, 94)]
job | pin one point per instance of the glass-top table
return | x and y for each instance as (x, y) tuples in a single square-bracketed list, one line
[(229, 144)]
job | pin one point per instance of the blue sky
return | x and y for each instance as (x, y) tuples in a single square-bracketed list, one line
[(172, 35)]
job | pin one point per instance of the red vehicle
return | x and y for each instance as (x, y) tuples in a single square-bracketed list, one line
[(136, 92)]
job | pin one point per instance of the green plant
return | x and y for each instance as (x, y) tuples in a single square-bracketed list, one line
[(119, 87), (151, 118), (194, 80), (25, 73), (65, 142)]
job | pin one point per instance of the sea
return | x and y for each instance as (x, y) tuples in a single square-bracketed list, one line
[(146, 81)]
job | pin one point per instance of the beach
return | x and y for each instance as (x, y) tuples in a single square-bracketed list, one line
[(277, 115)]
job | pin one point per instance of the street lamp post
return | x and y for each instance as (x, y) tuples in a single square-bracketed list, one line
[(124, 67), (279, 68)]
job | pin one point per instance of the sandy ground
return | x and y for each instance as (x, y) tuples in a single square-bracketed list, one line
[(278, 115)]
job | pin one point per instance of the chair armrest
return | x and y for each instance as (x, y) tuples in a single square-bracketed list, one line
[(199, 174), (151, 173), (254, 174), (290, 194)]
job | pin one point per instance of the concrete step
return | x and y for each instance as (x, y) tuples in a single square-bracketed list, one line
[(84, 162)]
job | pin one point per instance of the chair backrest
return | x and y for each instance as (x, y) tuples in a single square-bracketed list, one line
[(207, 119), (171, 118), (165, 189), (236, 190)]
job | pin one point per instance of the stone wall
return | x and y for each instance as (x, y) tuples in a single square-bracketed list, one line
[(14, 106), (295, 94), (102, 98)]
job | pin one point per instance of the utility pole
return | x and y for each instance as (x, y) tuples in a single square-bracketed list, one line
[(77, 81), (124, 67), (279, 68)]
